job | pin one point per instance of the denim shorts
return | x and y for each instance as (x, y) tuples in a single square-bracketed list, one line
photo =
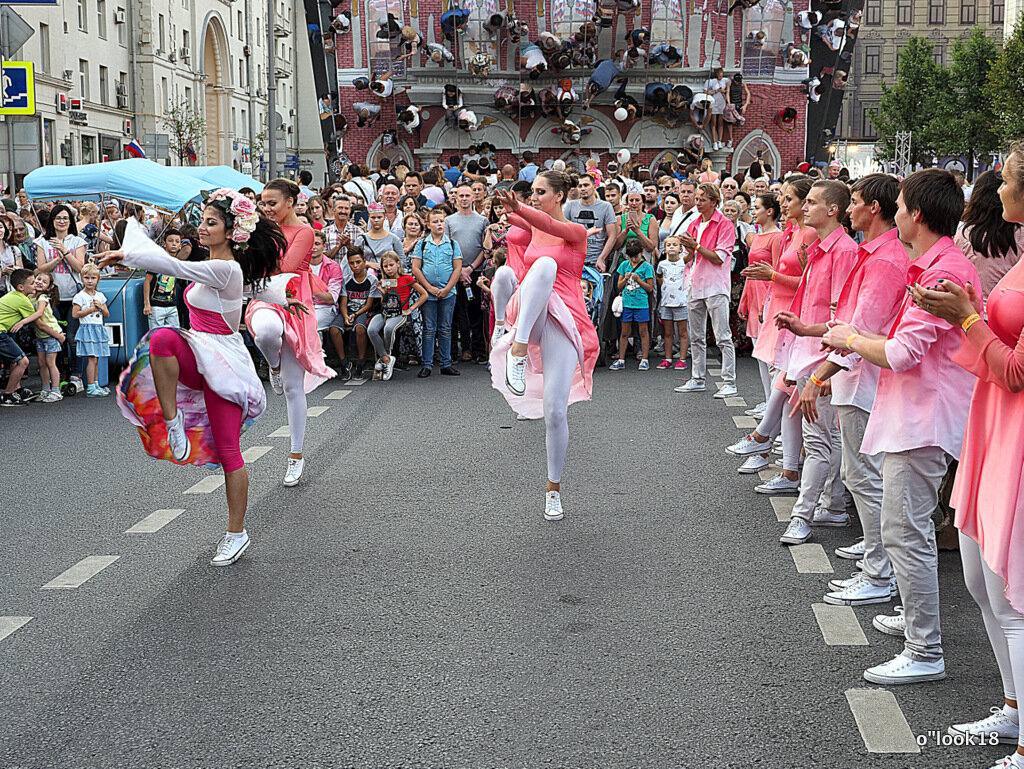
[(9, 349), (47, 344), (638, 315), (674, 313), (361, 320)]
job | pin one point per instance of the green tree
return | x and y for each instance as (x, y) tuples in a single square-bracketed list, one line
[(966, 123), (911, 102), (1006, 86), (187, 128)]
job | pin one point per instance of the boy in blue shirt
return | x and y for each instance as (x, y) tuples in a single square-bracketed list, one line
[(636, 283)]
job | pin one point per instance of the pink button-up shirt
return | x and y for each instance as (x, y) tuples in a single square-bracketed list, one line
[(872, 296), (707, 279), (333, 277), (923, 400), (829, 263)]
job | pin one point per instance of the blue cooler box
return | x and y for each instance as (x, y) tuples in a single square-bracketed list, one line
[(126, 324)]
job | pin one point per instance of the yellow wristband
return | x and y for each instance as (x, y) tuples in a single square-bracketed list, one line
[(971, 320), (850, 339), (773, 275), (817, 382)]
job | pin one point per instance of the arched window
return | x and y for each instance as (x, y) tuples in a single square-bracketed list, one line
[(763, 30), (746, 152)]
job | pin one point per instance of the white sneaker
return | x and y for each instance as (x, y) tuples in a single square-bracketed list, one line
[(757, 411), (552, 506), (230, 549), (902, 669), (841, 584), (779, 484), (859, 593), (1012, 761), (999, 724), (389, 368), (379, 365), (852, 552), (891, 624), (727, 391), (498, 333), (825, 517), (176, 438), (777, 446), (797, 532), (755, 463), (276, 383), (515, 372), (747, 446), (521, 418), (691, 386), (291, 477)]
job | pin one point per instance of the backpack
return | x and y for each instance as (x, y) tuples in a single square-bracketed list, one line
[(391, 304)]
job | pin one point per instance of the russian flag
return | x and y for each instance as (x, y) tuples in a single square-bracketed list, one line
[(134, 149), (190, 153)]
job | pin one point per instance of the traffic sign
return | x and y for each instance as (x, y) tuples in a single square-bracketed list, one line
[(28, 2), (17, 88)]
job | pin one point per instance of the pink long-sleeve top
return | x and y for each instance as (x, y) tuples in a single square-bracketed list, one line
[(332, 276), (719, 235), (870, 299), (923, 398)]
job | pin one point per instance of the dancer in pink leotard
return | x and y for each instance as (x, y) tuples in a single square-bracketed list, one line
[(547, 360), (510, 274)]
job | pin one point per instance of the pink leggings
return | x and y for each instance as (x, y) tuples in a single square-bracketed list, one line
[(225, 416)]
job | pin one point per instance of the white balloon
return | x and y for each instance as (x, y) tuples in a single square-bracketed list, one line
[(623, 155), (621, 114)]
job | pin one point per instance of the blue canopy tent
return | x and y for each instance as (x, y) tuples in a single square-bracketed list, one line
[(137, 180), (221, 176)]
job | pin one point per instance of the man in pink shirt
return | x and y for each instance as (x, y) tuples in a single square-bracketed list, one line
[(829, 263), (919, 414), (709, 241)]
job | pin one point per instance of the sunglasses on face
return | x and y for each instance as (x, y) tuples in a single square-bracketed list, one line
[(663, 189)]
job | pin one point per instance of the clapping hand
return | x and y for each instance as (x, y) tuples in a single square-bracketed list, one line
[(947, 300)]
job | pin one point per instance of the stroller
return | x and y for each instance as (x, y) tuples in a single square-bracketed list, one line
[(597, 289)]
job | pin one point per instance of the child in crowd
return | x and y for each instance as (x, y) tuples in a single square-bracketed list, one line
[(595, 172), (89, 307), (356, 305), (497, 259), (325, 303), (396, 306), (16, 311), (636, 282), (674, 278), (437, 265), (158, 295), (49, 337)]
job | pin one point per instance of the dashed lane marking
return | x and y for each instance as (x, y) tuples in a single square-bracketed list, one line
[(355, 382), (208, 485), (783, 507), (81, 572), (253, 453), (810, 559), (714, 372), (155, 521), (745, 422), (766, 475), (881, 722), (315, 411), (735, 402), (281, 432), (9, 624), (839, 625), (337, 395)]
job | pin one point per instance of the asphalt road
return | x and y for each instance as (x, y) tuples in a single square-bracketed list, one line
[(407, 606)]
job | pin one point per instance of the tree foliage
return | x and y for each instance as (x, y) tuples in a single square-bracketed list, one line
[(1006, 86), (965, 124), (186, 126)]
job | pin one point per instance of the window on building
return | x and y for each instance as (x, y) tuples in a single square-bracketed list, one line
[(241, 74), (936, 11), (998, 11), (104, 86), (186, 40), (873, 13), (937, 55), (101, 18), (867, 128), (44, 47), (165, 92), (83, 78), (968, 11), (234, 122), (88, 149), (83, 20), (872, 60), (161, 33), (238, 30), (120, 28), (122, 89), (905, 12), (245, 121), (188, 95)]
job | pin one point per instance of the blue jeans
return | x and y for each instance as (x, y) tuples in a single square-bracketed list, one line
[(437, 321)]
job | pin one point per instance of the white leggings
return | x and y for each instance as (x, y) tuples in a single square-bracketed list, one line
[(558, 355), (267, 330), (1004, 625), (776, 418), (766, 378), (503, 285)]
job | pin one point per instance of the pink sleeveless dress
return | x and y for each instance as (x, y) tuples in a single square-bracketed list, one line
[(300, 332), (988, 494), (566, 308)]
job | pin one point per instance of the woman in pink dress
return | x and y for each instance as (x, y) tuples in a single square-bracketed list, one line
[(509, 275), (988, 494), (772, 348), (546, 361), (290, 342)]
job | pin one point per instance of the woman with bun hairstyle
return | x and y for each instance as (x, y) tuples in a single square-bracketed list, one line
[(546, 360), (289, 341), (192, 392)]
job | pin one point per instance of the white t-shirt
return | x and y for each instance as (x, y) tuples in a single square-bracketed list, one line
[(389, 88), (8, 255), (82, 300), (674, 287), (68, 282)]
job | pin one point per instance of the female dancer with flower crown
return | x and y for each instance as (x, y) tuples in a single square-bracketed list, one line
[(191, 393), (288, 341), (546, 360)]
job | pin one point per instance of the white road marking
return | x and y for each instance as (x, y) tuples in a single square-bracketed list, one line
[(839, 625), (208, 485), (9, 624), (767, 475), (155, 521), (714, 372), (337, 395), (281, 432), (253, 453), (355, 382), (735, 402), (315, 411), (810, 559), (783, 507), (82, 571), (745, 422), (881, 722)]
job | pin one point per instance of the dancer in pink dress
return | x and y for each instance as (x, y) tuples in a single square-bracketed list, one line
[(290, 342), (508, 276), (547, 360), (988, 494)]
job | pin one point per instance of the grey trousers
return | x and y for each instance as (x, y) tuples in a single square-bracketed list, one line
[(717, 307), (910, 492), (862, 475), (822, 448)]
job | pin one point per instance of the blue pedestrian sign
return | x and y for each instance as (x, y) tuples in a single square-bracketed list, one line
[(17, 88), (28, 2)]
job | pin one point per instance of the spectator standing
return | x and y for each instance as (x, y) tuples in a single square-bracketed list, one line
[(158, 294), (89, 307), (60, 251), (636, 284), (466, 227), (674, 278), (594, 214), (377, 240), (342, 233), (437, 265), (529, 170)]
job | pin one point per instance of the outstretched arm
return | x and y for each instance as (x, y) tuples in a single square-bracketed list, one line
[(570, 232)]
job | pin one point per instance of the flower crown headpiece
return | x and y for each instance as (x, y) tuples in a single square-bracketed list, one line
[(240, 214)]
